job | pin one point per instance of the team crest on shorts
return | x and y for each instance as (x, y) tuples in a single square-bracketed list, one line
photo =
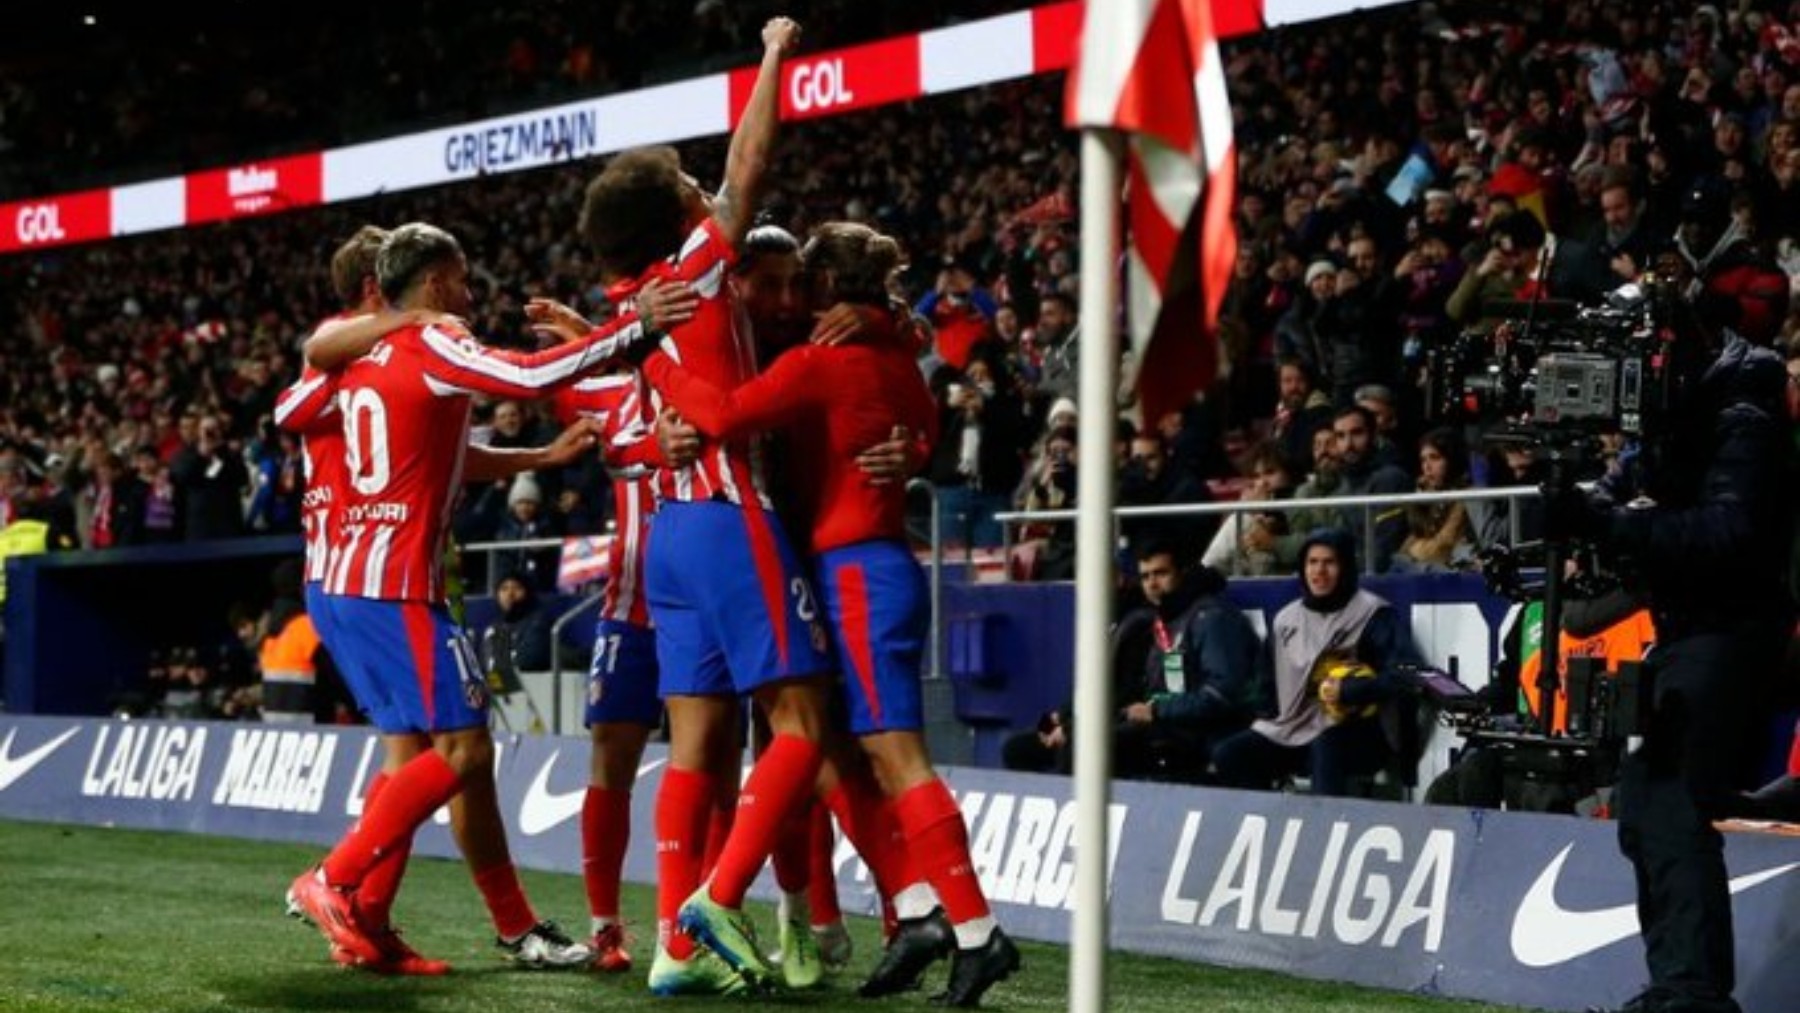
[(596, 690), (475, 693), (818, 637)]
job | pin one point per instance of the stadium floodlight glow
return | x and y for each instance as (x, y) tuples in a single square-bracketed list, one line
[(89, 20)]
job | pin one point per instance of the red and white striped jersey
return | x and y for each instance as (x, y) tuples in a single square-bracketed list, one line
[(405, 412), (621, 405), (717, 344), (308, 408)]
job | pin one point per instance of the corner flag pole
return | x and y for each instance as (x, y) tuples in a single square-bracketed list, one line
[(1094, 564)]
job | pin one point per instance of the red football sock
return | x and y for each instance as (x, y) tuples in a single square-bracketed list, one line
[(683, 807), (1794, 756), (375, 897), (793, 849), (937, 836), (821, 887), (505, 898), (720, 819), (407, 800), (867, 820), (781, 778), (605, 832)]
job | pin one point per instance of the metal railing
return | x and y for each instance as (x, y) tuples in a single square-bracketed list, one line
[(1010, 520), (1368, 504), (934, 642), (494, 549)]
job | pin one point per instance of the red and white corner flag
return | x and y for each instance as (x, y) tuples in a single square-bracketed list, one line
[(1151, 69)]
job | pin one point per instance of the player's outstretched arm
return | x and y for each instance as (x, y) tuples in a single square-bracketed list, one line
[(661, 303), (457, 360), (753, 143), (490, 464), (774, 398), (337, 343)]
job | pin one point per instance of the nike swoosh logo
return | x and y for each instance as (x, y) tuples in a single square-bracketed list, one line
[(14, 767), (1544, 933), (543, 808)]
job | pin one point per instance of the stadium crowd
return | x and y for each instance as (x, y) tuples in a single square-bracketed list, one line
[(139, 375)]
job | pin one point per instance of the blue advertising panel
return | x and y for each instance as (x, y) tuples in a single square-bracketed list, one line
[(1512, 908)]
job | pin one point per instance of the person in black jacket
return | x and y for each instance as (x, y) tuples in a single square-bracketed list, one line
[(979, 455), (1199, 678), (1708, 532), (519, 639)]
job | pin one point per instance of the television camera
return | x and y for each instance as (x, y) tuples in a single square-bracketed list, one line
[(1556, 377)]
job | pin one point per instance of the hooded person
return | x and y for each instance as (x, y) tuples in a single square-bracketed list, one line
[(1329, 664)]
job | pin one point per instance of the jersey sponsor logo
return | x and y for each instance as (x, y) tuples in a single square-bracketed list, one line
[(14, 767), (544, 808), (145, 761), (1355, 887), (1546, 933), (282, 771)]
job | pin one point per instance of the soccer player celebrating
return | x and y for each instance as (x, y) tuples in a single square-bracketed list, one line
[(404, 411), (623, 708), (734, 612), (308, 408), (834, 401)]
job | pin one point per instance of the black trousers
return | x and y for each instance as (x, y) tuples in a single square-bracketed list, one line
[(1353, 748), (1697, 751)]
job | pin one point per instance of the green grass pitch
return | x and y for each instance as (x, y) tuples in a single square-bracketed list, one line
[(123, 920)]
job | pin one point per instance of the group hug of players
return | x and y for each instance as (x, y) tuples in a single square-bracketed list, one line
[(708, 603)]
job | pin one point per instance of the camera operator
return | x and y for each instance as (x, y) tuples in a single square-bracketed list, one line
[(1707, 536)]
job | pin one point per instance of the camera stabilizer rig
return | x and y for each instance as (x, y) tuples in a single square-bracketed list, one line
[(1555, 378)]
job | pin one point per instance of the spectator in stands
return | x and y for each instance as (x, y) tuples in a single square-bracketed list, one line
[(1389, 440), (162, 503), (1553, 267), (1320, 715), (1627, 239), (1356, 328), (519, 639), (1051, 485), (1438, 535), (280, 482), (1351, 470), (1199, 678), (1302, 409), (117, 504), (1297, 332), (1056, 343), (1491, 520), (1230, 552), (978, 458), (1149, 479), (212, 480), (960, 312), (1742, 283), (526, 521)]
